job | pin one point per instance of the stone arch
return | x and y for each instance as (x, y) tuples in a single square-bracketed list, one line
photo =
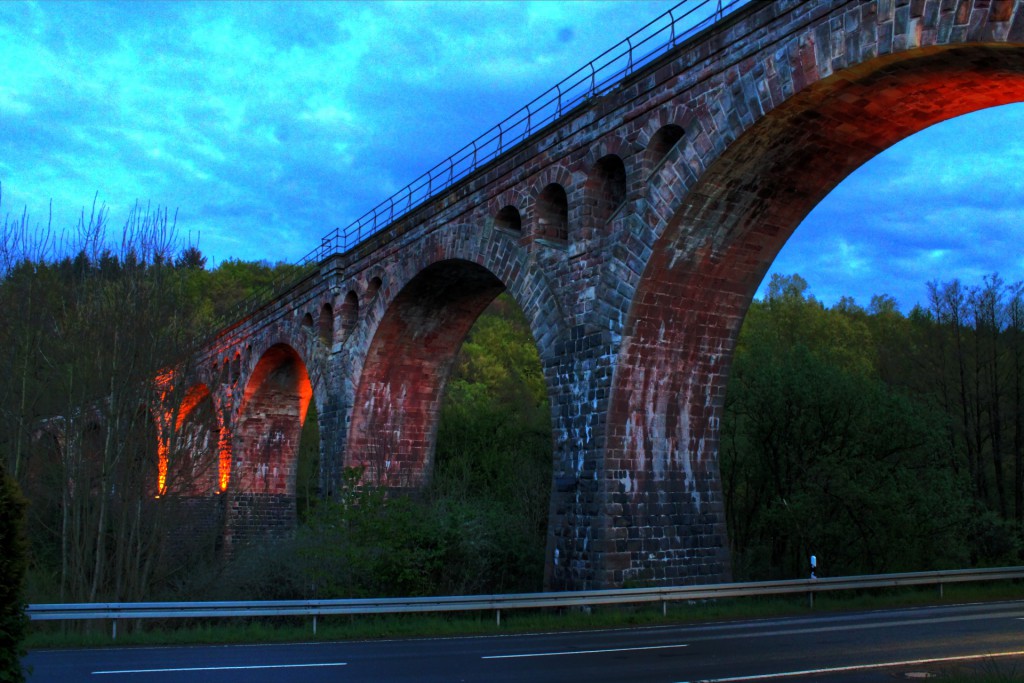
[(196, 462), (661, 126), (661, 143), (266, 437), (451, 280), (612, 144), (349, 314), (406, 368), (606, 190), (282, 333), (326, 324), (508, 213), (718, 215), (373, 286), (672, 113), (552, 206), (508, 218), (551, 214), (533, 290)]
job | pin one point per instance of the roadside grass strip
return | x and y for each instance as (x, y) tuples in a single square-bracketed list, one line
[(860, 667)]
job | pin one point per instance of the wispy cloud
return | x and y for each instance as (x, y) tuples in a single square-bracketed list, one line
[(945, 203), (267, 123), (270, 123)]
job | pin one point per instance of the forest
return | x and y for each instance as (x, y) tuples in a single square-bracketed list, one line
[(877, 440)]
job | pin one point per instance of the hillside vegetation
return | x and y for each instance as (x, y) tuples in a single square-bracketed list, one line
[(876, 440)]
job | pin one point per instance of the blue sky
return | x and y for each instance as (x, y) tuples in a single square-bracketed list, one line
[(268, 124)]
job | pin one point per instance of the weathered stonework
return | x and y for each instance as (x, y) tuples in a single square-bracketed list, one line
[(680, 187)]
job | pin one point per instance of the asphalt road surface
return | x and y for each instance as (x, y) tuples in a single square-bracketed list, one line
[(873, 646)]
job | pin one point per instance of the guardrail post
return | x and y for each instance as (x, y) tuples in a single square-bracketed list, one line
[(940, 591), (113, 631), (664, 608), (497, 617), (314, 624)]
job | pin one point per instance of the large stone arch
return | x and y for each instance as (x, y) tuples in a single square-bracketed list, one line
[(394, 421), (289, 334), (415, 327), (197, 459), (266, 432), (754, 163)]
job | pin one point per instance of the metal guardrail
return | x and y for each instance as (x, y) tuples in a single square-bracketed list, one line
[(467, 603), (670, 30)]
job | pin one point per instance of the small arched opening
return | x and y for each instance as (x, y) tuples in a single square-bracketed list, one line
[(606, 188), (661, 143), (509, 219), (372, 287), (349, 314), (551, 214), (327, 325)]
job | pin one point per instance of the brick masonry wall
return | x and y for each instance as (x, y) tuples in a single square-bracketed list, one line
[(635, 313)]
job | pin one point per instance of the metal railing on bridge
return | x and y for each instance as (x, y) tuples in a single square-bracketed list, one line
[(497, 603), (670, 30)]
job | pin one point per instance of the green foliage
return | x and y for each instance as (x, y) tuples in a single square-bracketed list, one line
[(840, 437), (877, 441), (493, 454), (481, 524), (479, 527), (13, 566), (89, 316)]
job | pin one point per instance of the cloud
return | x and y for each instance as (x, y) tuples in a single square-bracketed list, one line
[(306, 114), (945, 203), (272, 123)]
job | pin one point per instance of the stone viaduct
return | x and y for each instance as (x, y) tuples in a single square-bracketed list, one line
[(633, 232)]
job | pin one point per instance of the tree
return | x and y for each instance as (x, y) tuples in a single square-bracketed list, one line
[(191, 257), (1015, 337), (819, 456), (13, 566), (87, 336)]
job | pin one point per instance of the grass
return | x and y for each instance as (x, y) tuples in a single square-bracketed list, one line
[(988, 671), (265, 630)]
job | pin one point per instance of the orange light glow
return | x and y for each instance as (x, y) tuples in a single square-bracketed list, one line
[(224, 465), (192, 398), (305, 394), (165, 385), (161, 466)]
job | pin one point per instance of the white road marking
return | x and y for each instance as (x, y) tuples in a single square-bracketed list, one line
[(862, 667), (584, 652), (854, 627), (221, 668)]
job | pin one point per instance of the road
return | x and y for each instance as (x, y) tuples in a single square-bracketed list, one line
[(871, 646)]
